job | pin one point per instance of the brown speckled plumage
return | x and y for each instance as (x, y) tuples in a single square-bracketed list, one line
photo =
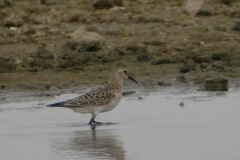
[(99, 100), (98, 97)]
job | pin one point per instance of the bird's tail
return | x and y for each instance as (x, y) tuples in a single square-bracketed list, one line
[(59, 104)]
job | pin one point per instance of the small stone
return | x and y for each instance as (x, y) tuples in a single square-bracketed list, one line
[(218, 65), (42, 89), (11, 33), (155, 43), (117, 8), (220, 28), (204, 65), (204, 12), (43, 1), (3, 14), (220, 94), (190, 65), (31, 87), (3, 86), (76, 69), (235, 62), (6, 67), (184, 69), (236, 26), (40, 63), (62, 63), (140, 98), (128, 93), (164, 84), (14, 22), (83, 41), (42, 52), (142, 58), (34, 69), (181, 104), (101, 4), (203, 59), (218, 83), (199, 79), (181, 79), (179, 49), (164, 61), (113, 55), (5, 58), (193, 6), (48, 2), (39, 35), (30, 30), (47, 87), (113, 31), (135, 48), (153, 19), (142, 50), (137, 18), (226, 1), (76, 58), (188, 22), (5, 3), (116, 52), (219, 55)]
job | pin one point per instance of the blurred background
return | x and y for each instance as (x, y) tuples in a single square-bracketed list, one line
[(68, 43)]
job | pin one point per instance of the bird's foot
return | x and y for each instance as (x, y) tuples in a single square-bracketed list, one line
[(94, 122)]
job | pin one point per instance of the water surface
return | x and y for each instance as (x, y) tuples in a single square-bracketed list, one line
[(156, 127)]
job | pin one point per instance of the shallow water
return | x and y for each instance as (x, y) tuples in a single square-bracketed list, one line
[(156, 127)]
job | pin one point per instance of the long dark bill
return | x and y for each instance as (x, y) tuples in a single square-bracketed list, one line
[(132, 79)]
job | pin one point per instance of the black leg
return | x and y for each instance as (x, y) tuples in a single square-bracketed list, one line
[(92, 121)]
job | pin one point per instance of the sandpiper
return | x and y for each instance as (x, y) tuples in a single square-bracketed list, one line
[(99, 100)]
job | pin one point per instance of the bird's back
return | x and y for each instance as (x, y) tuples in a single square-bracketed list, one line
[(99, 97)]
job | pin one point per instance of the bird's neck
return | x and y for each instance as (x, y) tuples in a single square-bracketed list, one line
[(116, 83)]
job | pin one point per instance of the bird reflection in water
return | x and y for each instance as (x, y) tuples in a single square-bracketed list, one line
[(96, 144)]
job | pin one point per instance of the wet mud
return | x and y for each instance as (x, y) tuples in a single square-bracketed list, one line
[(65, 44)]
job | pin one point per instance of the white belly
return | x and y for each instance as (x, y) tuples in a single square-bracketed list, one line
[(109, 107)]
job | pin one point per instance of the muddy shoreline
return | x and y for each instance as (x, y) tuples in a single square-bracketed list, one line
[(69, 44)]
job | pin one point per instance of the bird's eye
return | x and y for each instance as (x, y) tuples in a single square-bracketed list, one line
[(125, 71)]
